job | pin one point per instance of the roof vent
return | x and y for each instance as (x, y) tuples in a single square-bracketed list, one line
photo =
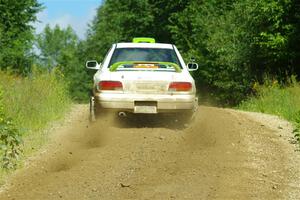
[(143, 40)]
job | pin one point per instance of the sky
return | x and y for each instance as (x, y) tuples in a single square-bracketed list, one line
[(76, 13)]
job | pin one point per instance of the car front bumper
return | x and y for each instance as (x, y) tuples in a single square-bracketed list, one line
[(164, 103)]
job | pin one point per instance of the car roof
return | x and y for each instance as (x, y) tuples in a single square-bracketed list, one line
[(144, 45)]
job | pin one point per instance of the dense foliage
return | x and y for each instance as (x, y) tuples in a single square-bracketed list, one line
[(16, 34), (236, 43), (10, 139), (240, 42), (60, 49)]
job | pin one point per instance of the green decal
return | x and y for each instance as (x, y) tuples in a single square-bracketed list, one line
[(116, 65), (143, 40)]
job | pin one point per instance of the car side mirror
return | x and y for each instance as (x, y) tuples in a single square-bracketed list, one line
[(192, 66), (92, 64)]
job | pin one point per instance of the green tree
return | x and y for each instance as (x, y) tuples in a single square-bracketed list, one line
[(293, 18), (55, 44), (16, 34), (61, 49), (237, 43), (162, 10), (118, 21)]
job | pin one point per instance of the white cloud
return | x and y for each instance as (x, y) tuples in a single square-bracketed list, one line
[(79, 24)]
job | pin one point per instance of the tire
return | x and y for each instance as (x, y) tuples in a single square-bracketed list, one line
[(92, 116), (195, 109), (188, 117)]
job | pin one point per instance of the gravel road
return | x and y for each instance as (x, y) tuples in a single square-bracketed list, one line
[(222, 154)]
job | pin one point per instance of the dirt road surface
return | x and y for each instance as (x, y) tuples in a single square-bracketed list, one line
[(223, 154)]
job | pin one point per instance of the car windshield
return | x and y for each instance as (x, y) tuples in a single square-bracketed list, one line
[(144, 55)]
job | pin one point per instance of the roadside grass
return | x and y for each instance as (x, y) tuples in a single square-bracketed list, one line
[(33, 103), (276, 100)]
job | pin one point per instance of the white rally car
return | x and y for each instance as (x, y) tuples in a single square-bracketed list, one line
[(143, 77)]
